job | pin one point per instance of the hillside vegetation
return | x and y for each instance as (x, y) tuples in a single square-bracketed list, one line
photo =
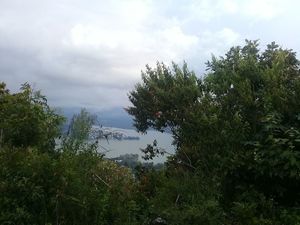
[(237, 161)]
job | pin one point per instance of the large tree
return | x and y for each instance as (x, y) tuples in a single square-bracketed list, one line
[(27, 120), (69, 185), (239, 124)]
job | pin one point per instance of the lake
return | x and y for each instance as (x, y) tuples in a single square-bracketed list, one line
[(120, 147)]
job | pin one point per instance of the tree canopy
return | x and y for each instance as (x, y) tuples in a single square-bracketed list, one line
[(27, 120), (69, 183), (237, 160), (238, 125)]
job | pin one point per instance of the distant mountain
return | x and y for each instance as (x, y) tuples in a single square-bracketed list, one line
[(116, 117)]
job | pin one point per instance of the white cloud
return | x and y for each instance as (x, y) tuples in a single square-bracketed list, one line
[(253, 10), (262, 9), (145, 46), (176, 42), (218, 42), (91, 52)]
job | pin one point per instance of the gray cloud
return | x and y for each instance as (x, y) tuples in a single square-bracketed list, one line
[(90, 54)]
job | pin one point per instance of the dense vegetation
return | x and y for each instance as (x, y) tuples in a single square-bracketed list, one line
[(67, 183), (237, 133)]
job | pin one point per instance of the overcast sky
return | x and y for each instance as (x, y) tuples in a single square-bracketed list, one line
[(89, 53)]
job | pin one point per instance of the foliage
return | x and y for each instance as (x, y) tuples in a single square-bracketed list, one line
[(237, 128), (71, 184), (78, 137), (237, 161), (71, 189), (26, 119)]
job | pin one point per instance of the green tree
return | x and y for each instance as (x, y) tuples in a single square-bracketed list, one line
[(27, 120), (79, 134), (237, 127), (70, 184)]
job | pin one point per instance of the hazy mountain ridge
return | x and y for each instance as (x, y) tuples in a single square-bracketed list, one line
[(116, 117)]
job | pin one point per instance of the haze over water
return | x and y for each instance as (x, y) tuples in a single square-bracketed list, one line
[(121, 147)]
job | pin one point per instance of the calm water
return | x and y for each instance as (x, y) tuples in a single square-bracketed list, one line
[(116, 147)]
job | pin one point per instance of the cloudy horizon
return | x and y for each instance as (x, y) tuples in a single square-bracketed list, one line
[(91, 53)]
